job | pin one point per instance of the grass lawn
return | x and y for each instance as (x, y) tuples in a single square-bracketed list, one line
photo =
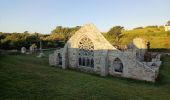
[(28, 77)]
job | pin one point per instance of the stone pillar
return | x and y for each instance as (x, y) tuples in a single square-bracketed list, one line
[(65, 57), (104, 67)]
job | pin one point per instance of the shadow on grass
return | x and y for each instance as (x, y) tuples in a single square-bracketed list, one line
[(124, 80), (160, 81)]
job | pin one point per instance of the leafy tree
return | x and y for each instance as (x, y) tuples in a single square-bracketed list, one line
[(34, 46), (63, 32), (115, 33), (2, 36), (26, 32)]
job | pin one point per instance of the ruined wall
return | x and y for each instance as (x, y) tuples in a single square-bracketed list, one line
[(132, 68), (107, 59), (54, 59)]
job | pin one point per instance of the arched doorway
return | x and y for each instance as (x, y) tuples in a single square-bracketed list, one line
[(118, 65)]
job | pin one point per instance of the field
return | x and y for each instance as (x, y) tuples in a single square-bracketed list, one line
[(158, 38), (25, 77)]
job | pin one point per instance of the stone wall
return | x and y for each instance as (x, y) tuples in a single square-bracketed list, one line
[(54, 59), (107, 59), (167, 28), (101, 47), (131, 67)]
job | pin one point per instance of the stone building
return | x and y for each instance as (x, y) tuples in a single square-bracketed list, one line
[(87, 50), (167, 26)]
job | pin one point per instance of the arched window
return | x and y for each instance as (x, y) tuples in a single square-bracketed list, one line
[(118, 65), (86, 53)]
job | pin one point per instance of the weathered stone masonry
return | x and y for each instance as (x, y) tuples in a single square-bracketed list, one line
[(89, 51)]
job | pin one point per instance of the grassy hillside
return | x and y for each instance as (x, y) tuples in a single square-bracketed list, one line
[(156, 36), (28, 77)]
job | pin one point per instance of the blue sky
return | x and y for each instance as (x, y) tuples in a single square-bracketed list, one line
[(44, 15)]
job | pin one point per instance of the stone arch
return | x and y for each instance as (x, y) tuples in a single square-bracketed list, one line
[(118, 65), (86, 52)]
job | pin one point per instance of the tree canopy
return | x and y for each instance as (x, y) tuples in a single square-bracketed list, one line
[(59, 35), (114, 34), (64, 32), (26, 39), (168, 23)]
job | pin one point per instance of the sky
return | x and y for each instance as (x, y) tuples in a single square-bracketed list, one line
[(44, 15)]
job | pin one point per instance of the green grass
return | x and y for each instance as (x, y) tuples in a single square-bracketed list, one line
[(158, 38), (27, 77)]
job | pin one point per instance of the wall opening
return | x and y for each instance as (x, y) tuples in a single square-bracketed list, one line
[(118, 65), (59, 59), (86, 52)]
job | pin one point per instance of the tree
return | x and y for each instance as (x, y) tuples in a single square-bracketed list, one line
[(115, 33), (168, 23), (26, 32), (65, 32)]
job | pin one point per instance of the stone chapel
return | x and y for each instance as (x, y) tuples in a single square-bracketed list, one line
[(88, 50)]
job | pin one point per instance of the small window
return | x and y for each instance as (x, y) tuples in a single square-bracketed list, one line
[(118, 65)]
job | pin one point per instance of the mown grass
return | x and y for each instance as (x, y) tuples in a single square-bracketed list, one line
[(27, 77)]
